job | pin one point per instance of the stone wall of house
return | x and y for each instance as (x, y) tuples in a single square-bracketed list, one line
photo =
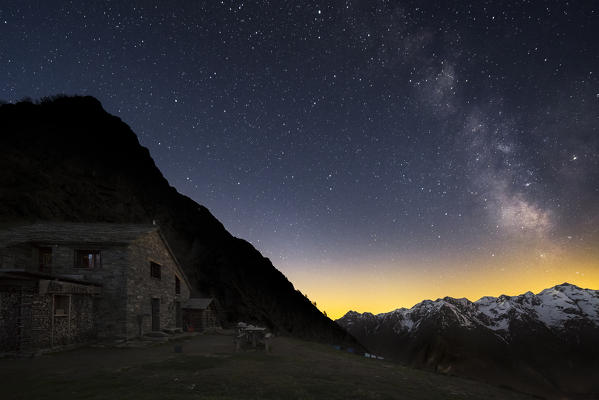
[(82, 319), (209, 317), (10, 301), (142, 287), (41, 322), (199, 320), (21, 256), (76, 327), (110, 310), (38, 327), (126, 293), (110, 307)]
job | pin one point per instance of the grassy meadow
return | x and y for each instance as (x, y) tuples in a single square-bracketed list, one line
[(209, 368)]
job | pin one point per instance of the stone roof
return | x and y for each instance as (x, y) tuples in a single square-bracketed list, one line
[(74, 232), (197, 303)]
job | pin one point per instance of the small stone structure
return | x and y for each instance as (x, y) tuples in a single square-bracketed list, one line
[(199, 314), (68, 283)]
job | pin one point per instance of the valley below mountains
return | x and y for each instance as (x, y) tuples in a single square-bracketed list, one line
[(544, 343)]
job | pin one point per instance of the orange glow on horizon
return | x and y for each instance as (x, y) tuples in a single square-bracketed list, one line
[(383, 287)]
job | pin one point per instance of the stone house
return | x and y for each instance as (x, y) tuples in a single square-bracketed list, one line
[(67, 283), (199, 314)]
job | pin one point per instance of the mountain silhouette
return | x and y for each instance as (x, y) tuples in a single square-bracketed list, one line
[(67, 159)]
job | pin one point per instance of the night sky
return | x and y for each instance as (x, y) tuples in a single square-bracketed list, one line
[(378, 152)]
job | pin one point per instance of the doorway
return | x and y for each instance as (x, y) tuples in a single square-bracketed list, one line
[(178, 316), (155, 314)]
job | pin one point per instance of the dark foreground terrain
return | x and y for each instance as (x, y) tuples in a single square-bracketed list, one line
[(208, 368)]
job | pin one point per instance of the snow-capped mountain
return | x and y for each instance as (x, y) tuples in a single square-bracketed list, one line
[(555, 308), (546, 340)]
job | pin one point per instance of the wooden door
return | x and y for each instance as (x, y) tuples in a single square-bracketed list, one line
[(178, 316), (155, 314)]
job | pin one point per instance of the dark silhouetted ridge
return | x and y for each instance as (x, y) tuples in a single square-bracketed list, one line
[(67, 159)]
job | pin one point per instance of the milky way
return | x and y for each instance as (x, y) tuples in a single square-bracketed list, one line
[(399, 149)]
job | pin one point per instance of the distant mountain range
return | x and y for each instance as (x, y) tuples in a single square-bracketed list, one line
[(545, 343)]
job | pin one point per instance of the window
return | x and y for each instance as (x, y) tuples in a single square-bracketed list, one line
[(177, 285), (45, 258), (87, 259), (154, 270), (61, 305)]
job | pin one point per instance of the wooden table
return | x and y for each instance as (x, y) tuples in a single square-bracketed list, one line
[(251, 334)]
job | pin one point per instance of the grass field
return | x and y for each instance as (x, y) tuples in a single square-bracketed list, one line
[(208, 368)]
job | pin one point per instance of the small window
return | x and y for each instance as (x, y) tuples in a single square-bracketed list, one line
[(87, 259), (45, 258), (61, 305), (177, 285), (154, 270)]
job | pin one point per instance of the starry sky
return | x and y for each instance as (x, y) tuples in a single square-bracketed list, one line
[(378, 152)]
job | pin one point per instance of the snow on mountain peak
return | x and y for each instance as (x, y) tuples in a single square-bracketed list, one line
[(553, 307)]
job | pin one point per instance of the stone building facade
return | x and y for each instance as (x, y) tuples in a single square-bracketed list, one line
[(38, 311), (65, 283)]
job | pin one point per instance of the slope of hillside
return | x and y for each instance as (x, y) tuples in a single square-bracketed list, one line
[(66, 159), (543, 343), (209, 368)]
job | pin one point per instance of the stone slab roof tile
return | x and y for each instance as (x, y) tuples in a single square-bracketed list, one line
[(64, 232), (197, 303)]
